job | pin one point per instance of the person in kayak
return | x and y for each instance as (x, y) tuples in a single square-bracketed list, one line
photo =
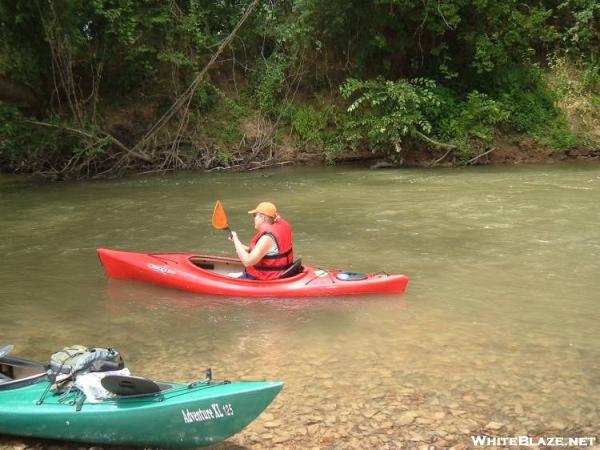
[(270, 252)]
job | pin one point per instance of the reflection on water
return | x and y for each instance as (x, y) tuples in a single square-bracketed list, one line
[(498, 332), (127, 294)]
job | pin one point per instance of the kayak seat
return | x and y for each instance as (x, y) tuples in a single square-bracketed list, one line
[(294, 269)]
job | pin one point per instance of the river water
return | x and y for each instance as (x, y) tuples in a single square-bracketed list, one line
[(497, 335)]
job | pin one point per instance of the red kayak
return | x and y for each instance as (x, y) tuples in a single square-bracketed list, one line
[(208, 275)]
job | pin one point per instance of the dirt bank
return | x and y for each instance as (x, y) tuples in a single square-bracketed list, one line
[(524, 151)]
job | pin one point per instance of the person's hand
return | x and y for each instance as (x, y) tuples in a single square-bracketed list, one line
[(233, 236)]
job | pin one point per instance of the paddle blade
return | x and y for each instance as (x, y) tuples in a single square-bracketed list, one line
[(129, 385), (219, 218)]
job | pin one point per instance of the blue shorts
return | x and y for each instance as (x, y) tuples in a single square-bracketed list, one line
[(246, 276)]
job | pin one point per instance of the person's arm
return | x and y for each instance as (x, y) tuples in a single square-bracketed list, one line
[(258, 252)]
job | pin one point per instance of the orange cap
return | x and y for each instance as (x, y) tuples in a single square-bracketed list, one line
[(266, 208)]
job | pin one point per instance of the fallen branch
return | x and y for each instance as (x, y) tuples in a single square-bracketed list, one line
[(235, 166), (472, 160), (187, 95), (148, 172), (264, 166), (437, 161), (434, 142), (113, 139)]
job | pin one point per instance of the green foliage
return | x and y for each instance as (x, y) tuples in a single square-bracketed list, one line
[(582, 26), (28, 148), (487, 55), (557, 136), (480, 115), (269, 81), (326, 128), (470, 124), (590, 77), (532, 108), (309, 124), (231, 112), (576, 85), (206, 97), (569, 78), (385, 112), (527, 99), (223, 124)]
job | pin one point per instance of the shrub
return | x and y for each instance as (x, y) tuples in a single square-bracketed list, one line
[(470, 124), (309, 124), (29, 148), (533, 110), (269, 83), (385, 112)]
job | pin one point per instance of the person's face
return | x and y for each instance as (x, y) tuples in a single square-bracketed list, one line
[(258, 220)]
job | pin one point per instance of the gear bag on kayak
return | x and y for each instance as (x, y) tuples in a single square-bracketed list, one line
[(78, 359)]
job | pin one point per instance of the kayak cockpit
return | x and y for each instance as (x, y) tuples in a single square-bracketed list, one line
[(17, 372), (222, 266), (226, 266)]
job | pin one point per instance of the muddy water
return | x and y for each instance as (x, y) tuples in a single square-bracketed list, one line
[(497, 335)]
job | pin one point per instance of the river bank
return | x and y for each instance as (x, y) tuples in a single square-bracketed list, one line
[(526, 152), (239, 137)]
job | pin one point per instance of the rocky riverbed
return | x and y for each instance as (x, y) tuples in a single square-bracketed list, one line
[(390, 407)]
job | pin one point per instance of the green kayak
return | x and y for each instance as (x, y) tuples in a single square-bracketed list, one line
[(174, 415)]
